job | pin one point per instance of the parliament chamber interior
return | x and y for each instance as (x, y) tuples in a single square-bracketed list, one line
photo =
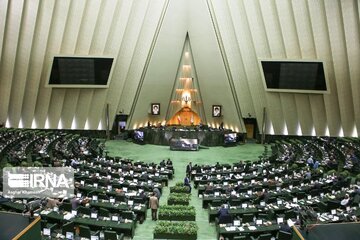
[(179, 119)]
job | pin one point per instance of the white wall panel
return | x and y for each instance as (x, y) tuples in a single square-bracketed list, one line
[(318, 110), (10, 48), (340, 63), (3, 15), (351, 25), (277, 51), (230, 41), (59, 106), (322, 46), (142, 43), (53, 47), (292, 51), (83, 47), (22, 61), (159, 79), (210, 67), (307, 47), (43, 22)]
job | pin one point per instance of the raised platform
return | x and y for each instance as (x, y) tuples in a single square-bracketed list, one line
[(207, 137)]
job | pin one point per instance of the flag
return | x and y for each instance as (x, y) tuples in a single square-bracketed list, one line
[(192, 119), (179, 118)]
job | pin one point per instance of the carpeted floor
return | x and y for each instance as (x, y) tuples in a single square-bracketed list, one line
[(154, 153)]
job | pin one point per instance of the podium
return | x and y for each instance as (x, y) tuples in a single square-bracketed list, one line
[(184, 144)]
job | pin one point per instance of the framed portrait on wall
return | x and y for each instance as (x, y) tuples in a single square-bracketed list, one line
[(216, 110), (155, 109)]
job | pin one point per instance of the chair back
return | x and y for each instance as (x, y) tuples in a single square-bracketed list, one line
[(282, 235)]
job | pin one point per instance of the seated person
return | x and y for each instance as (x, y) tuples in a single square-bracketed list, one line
[(263, 195), (52, 202), (346, 201), (285, 227), (209, 188), (223, 214), (169, 162)]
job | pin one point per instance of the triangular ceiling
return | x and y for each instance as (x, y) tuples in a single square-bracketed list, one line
[(192, 18), (186, 91)]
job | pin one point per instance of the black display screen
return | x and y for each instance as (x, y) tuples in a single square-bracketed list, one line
[(294, 75), (230, 138), (80, 71), (139, 135)]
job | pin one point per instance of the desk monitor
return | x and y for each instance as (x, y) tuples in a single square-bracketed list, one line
[(236, 222), (259, 221), (69, 235), (280, 220), (46, 231), (115, 218), (93, 215)]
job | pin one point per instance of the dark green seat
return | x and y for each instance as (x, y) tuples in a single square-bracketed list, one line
[(68, 227), (84, 231), (247, 218), (239, 238), (110, 235), (84, 210), (66, 207), (282, 235), (265, 236), (103, 212)]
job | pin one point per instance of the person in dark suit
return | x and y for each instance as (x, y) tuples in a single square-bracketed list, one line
[(187, 182), (189, 169), (285, 227), (223, 214)]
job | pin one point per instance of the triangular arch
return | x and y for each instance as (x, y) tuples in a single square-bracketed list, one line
[(186, 105)]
